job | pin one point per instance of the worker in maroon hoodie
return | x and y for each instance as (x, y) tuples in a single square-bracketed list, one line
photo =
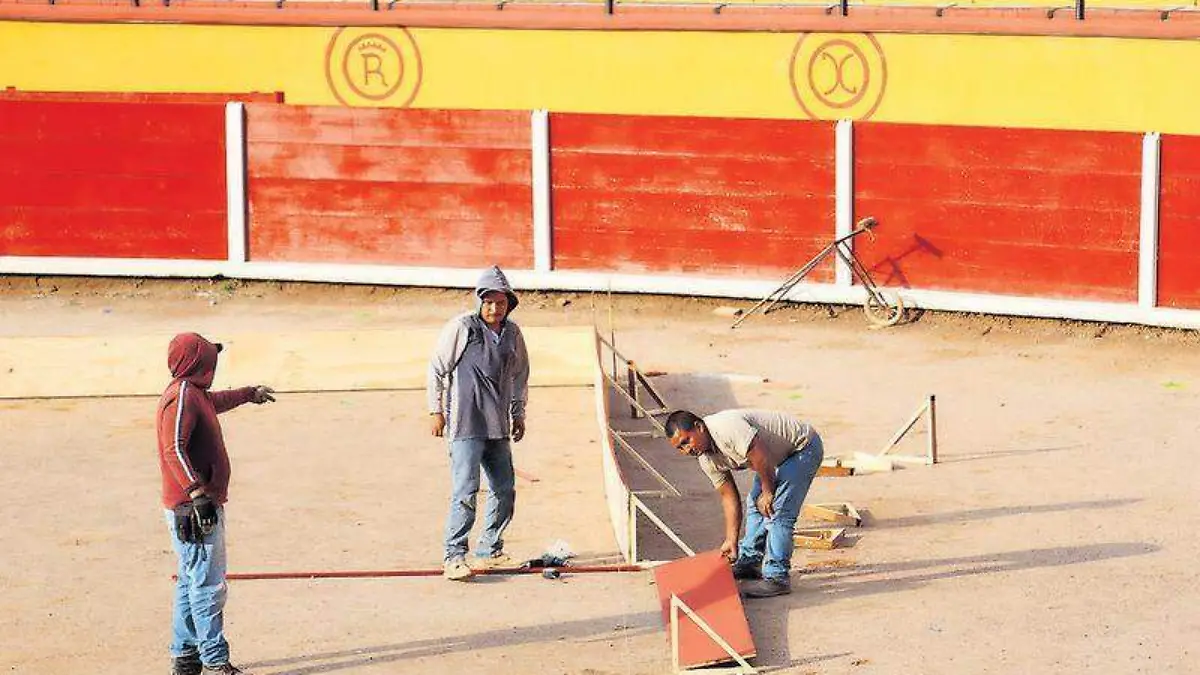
[(195, 483)]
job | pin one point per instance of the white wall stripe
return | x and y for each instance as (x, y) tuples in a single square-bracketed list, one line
[(121, 267), (1148, 240), (543, 252), (235, 179), (178, 424), (843, 193), (716, 287)]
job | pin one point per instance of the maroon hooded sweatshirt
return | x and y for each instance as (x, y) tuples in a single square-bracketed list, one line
[(191, 450)]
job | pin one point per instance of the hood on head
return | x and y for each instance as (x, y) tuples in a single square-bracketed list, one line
[(493, 279), (191, 357)]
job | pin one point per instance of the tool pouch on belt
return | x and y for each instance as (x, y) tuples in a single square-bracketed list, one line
[(187, 529)]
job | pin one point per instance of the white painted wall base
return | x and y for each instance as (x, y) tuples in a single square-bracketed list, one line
[(736, 288)]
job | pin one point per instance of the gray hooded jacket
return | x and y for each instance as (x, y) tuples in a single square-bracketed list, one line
[(479, 380)]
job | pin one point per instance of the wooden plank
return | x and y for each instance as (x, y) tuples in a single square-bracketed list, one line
[(703, 173), (705, 583), (388, 126), (841, 513), (966, 147), (673, 135), (415, 240), (141, 122), (134, 365), (821, 538), (380, 164), (605, 233), (56, 231), (14, 94)]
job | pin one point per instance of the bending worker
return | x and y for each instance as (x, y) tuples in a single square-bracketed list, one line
[(784, 454)]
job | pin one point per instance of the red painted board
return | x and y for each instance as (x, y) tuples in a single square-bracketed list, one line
[(705, 584), (112, 179), (691, 195), (1179, 223), (12, 93), (402, 187), (1009, 211)]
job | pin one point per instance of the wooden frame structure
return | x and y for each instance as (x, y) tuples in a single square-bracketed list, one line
[(931, 449), (743, 666)]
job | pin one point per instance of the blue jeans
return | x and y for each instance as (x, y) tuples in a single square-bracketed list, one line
[(770, 540), (197, 620), (467, 455)]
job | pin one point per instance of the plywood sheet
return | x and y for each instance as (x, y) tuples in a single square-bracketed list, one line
[(135, 365), (705, 584)]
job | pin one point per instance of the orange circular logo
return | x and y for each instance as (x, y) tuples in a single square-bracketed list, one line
[(838, 75), (373, 67)]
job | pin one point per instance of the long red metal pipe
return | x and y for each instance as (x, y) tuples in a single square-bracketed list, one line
[(368, 574)]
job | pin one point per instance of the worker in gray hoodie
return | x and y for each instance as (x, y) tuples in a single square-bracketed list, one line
[(477, 386)]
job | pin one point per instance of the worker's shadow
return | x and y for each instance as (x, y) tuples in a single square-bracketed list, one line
[(376, 655), (815, 588)]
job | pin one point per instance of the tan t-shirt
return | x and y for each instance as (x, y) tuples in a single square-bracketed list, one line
[(733, 430)]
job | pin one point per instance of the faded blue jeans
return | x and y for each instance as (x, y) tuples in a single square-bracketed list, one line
[(770, 540), (197, 620), (467, 455)]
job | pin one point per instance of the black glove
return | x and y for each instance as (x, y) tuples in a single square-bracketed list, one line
[(206, 514), (185, 526)]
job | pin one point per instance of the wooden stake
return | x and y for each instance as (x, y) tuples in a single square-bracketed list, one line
[(932, 430)]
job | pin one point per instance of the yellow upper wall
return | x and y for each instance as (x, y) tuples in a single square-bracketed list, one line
[(1049, 82)]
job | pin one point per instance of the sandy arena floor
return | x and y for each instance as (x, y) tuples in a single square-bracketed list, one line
[(1053, 538)]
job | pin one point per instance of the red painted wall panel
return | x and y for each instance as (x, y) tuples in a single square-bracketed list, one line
[(1010, 211), (397, 187), (690, 195), (108, 179), (1179, 223)]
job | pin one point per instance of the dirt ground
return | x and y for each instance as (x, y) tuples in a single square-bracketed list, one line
[(1054, 537)]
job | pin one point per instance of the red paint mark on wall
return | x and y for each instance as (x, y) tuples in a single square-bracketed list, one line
[(1008, 211), (12, 93), (690, 195), (134, 180), (386, 186), (1179, 223)]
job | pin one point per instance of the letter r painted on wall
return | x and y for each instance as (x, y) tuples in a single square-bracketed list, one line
[(373, 67)]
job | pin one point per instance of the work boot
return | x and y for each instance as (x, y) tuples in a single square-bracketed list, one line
[(744, 569), (494, 561), (223, 669), (186, 665), (767, 588), (456, 569)]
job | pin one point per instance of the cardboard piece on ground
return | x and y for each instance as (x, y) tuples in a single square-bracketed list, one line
[(136, 365), (704, 582)]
